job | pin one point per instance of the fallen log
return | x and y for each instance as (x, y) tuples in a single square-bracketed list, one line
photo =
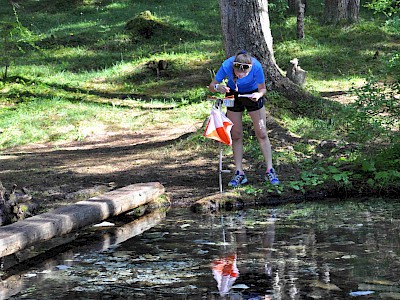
[(102, 240), (19, 235)]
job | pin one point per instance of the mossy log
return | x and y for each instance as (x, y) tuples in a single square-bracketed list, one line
[(223, 201)]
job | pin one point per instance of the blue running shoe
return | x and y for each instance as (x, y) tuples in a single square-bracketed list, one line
[(238, 180), (271, 177)]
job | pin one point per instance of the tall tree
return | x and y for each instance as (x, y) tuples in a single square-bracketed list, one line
[(292, 6), (300, 9), (337, 11), (246, 25)]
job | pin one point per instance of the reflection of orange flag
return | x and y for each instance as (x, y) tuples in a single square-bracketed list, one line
[(219, 127), (225, 273)]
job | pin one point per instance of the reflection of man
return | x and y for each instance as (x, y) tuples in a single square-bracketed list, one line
[(225, 273)]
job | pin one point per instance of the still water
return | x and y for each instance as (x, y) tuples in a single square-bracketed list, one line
[(341, 250)]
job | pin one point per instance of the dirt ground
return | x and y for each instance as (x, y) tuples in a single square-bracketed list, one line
[(65, 173), (62, 173)]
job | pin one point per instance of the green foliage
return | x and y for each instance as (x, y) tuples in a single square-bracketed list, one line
[(13, 37), (252, 190), (145, 24), (375, 113), (393, 63), (392, 25), (342, 178), (308, 180), (382, 168), (278, 8), (386, 7), (383, 178), (274, 189), (389, 157)]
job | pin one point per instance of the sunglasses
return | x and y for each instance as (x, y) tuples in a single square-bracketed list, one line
[(241, 66)]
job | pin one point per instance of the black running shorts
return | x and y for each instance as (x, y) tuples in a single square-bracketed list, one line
[(242, 103)]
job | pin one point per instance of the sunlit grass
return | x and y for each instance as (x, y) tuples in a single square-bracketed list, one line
[(335, 57), (56, 119), (309, 128), (89, 76), (341, 84)]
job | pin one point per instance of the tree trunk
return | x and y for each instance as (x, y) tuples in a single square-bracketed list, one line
[(353, 11), (300, 19), (242, 19), (245, 25), (292, 6), (337, 11)]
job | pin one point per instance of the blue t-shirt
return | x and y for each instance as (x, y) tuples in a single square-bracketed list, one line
[(246, 84)]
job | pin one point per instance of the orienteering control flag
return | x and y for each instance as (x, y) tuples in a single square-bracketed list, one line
[(219, 127)]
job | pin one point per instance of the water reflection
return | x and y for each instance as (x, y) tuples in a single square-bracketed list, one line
[(239, 242), (102, 240), (304, 251), (225, 272)]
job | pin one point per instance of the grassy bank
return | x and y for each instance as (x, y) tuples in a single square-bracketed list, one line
[(77, 67)]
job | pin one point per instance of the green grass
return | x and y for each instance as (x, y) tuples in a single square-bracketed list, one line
[(336, 56), (79, 70), (57, 119)]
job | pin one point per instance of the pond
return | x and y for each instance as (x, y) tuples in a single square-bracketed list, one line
[(324, 250)]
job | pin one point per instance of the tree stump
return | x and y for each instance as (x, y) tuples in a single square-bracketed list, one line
[(15, 205), (295, 73)]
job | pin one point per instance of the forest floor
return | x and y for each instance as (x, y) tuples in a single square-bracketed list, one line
[(63, 173)]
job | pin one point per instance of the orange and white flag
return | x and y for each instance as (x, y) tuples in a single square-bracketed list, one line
[(225, 272), (219, 127)]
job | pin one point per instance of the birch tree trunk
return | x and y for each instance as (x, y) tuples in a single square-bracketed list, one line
[(245, 25)]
